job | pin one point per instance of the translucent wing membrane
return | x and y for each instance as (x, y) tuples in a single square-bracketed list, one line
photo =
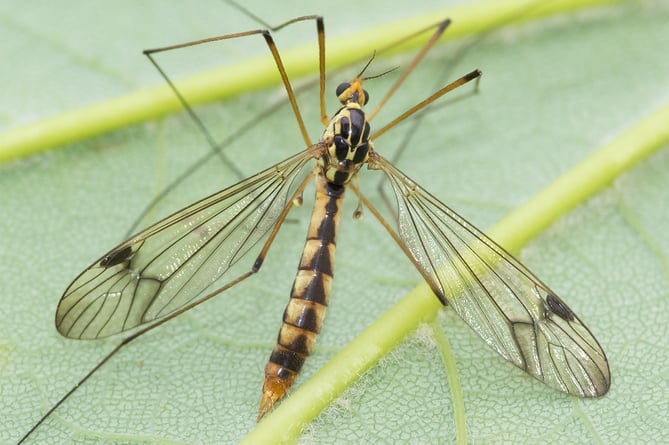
[(511, 309), (168, 265)]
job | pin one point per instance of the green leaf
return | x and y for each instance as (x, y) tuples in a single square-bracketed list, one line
[(553, 91)]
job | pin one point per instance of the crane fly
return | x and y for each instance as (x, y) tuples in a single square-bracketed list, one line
[(175, 264)]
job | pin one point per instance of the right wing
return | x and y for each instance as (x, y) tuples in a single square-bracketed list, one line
[(507, 305)]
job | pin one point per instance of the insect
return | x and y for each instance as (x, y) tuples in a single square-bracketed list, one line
[(184, 260)]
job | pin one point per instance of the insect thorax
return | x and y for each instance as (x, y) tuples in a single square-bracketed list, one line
[(348, 144)]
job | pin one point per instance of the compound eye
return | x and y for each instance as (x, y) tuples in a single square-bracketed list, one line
[(366, 97), (341, 88)]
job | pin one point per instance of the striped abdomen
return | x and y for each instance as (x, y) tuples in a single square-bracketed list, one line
[(304, 314)]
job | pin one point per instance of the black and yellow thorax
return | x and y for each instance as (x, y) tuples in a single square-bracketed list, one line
[(346, 136)]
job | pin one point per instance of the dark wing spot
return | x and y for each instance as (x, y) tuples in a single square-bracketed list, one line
[(558, 307), (116, 257)]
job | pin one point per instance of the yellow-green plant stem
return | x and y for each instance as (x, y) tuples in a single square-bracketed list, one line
[(578, 184), (258, 73), (584, 180)]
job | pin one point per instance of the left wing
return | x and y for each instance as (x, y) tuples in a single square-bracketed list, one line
[(167, 266)]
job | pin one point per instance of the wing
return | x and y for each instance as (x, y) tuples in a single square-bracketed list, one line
[(168, 265), (511, 309)]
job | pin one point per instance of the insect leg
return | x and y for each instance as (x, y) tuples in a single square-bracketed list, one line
[(419, 106), (255, 268), (320, 29), (266, 33), (409, 69)]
